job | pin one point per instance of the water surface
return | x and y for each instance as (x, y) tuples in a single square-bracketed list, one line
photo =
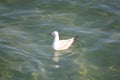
[(25, 52)]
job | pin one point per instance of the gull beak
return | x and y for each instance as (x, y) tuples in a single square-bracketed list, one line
[(50, 33)]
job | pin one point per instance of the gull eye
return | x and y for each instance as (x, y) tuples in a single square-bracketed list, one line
[(53, 33)]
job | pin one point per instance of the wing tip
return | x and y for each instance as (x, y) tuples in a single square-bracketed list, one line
[(75, 38)]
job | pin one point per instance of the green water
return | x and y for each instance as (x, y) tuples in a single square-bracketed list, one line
[(25, 52)]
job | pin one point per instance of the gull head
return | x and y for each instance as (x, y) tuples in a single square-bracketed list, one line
[(55, 33)]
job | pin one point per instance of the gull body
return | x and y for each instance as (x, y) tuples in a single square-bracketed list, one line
[(61, 44)]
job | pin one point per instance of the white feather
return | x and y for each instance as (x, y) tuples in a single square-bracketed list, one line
[(61, 44)]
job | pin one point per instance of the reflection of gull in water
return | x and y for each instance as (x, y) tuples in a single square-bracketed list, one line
[(61, 44), (58, 54)]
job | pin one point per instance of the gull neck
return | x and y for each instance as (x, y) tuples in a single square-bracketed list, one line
[(56, 38)]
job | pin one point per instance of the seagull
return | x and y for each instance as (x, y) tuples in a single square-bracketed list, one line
[(61, 44)]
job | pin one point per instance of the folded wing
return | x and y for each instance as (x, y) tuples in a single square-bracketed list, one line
[(65, 44)]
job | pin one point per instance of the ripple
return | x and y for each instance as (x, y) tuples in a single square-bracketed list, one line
[(25, 51), (108, 8)]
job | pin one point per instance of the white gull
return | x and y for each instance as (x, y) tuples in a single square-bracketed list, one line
[(61, 44)]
